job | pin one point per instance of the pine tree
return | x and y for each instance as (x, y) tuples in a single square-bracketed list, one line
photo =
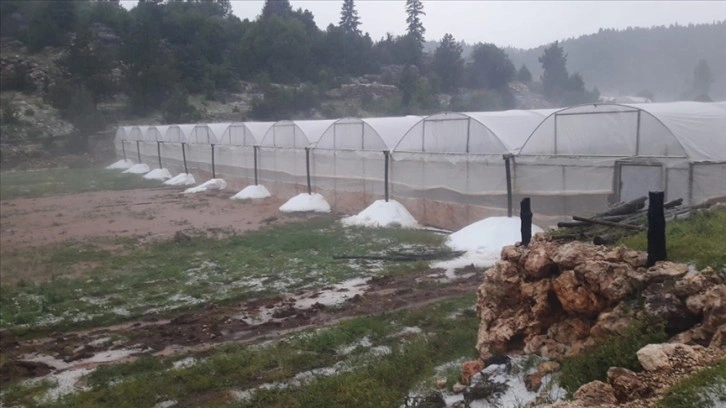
[(702, 77), (448, 63), (279, 8), (555, 77), (414, 9), (349, 20), (523, 75)]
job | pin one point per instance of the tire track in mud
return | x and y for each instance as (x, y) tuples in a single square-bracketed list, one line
[(214, 326)]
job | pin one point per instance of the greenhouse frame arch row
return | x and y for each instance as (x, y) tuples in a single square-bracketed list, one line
[(590, 156), (450, 169)]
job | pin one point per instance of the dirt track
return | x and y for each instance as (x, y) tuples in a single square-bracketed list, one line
[(153, 213), (216, 325)]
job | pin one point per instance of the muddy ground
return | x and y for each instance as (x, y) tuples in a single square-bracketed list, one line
[(157, 214)]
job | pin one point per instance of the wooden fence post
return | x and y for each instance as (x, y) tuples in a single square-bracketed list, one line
[(656, 228), (525, 213)]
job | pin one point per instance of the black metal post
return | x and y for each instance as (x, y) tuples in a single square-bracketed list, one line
[(525, 213), (307, 169), (138, 151), (184, 157), (508, 169), (255, 157), (656, 228), (214, 171), (158, 153), (123, 149), (386, 154)]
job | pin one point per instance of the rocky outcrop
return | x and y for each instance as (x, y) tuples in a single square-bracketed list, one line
[(664, 366), (555, 300)]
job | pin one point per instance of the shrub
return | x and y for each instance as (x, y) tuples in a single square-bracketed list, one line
[(611, 351)]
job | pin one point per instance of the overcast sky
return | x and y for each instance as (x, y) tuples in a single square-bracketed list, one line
[(523, 24)]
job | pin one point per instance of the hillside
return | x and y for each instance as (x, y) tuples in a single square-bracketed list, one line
[(658, 59)]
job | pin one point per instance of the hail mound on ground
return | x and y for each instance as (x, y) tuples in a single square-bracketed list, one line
[(181, 179), (140, 168), (212, 184), (483, 242), (306, 203), (121, 165), (158, 174), (383, 214), (252, 192)]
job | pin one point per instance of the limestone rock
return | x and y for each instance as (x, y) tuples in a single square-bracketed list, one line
[(612, 322), (665, 306), (458, 388), (636, 259), (571, 254), (575, 297), (613, 280), (537, 264), (627, 385), (469, 369), (548, 367), (718, 341), (694, 282), (595, 393), (667, 356), (512, 253), (666, 269), (533, 381)]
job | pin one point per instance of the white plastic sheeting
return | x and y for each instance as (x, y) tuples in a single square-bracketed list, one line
[(297, 134), (472, 132), (587, 156), (696, 130), (244, 133), (375, 134)]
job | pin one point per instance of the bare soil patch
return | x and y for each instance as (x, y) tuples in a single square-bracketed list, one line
[(150, 213)]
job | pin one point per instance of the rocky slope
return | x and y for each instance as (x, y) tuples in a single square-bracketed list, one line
[(554, 301)]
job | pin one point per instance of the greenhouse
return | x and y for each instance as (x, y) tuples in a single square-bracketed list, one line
[(451, 165), (450, 169), (350, 158), (235, 149), (282, 150), (151, 145), (120, 139), (585, 157)]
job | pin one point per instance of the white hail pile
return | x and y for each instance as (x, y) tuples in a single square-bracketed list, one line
[(383, 214), (253, 192), (306, 203)]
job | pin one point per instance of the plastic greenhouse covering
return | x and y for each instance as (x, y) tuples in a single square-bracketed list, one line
[(451, 168)]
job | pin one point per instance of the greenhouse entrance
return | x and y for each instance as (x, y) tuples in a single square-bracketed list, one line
[(637, 179)]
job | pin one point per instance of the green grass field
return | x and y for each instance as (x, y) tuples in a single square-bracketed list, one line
[(49, 182)]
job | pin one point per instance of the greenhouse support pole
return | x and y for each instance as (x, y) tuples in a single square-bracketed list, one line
[(656, 228), (138, 151), (184, 157), (525, 213), (507, 164), (123, 149), (254, 150), (214, 171), (386, 154), (158, 153), (307, 169)]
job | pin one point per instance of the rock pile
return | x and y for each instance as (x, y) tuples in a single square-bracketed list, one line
[(555, 300)]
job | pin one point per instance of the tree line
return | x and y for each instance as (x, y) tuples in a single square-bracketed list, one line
[(158, 53)]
